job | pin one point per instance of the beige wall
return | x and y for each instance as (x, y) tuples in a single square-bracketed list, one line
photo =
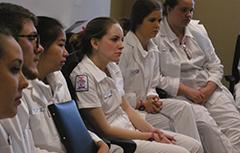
[(120, 8), (221, 19)]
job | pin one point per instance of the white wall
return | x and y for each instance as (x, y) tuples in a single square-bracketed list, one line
[(66, 11)]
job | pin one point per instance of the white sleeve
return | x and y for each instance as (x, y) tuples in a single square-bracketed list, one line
[(94, 137)]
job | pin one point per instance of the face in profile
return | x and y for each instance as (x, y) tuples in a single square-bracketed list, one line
[(181, 14), (31, 48), (54, 57), (11, 76), (110, 46)]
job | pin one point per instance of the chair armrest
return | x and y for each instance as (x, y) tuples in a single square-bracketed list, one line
[(127, 145), (162, 93), (232, 80)]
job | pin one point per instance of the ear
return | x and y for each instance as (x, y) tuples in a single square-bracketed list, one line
[(168, 9), (94, 43)]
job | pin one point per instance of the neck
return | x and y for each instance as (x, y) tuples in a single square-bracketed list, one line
[(101, 64), (43, 71), (144, 41), (179, 31)]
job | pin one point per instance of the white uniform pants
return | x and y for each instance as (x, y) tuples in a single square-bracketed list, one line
[(184, 144), (176, 114), (218, 123), (115, 149), (221, 108)]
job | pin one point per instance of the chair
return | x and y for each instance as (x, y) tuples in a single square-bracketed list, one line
[(71, 63), (234, 77), (71, 128), (162, 93)]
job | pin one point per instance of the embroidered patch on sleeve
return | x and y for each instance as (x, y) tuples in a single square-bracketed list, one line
[(81, 83)]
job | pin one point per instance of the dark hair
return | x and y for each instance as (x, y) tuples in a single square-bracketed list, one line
[(169, 4), (13, 16), (141, 9), (125, 24), (49, 30), (96, 28), (3, 33)]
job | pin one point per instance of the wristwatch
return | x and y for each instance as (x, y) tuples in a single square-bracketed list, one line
[(142, 107)]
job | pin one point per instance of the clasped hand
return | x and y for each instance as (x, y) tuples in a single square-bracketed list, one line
[(153, 104)]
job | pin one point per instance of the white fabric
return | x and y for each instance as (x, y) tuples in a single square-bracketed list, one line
[(140, 70), (99, 87), (202, 67), (101, 91), (38, 96), (16, 132)]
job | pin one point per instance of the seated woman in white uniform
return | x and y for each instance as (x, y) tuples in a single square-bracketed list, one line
[(12, 82), (99, 89), (49, 87), (139, 64), (193, 72)]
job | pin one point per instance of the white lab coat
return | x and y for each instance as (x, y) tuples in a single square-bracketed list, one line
[(15, 133), (16, 137), (140, 70), (202, 67), (99, 90), (38, 96)]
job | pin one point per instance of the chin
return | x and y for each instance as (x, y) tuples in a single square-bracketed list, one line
[(116, 60), (30, 73), (9, 114)]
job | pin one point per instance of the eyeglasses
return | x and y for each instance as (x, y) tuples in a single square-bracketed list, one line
[(186, 10), (31, 38)]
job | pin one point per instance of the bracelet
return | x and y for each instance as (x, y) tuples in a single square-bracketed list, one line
[(152, 137)]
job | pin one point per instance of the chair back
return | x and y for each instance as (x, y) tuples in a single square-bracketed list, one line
[(71, 128), (235, 71)]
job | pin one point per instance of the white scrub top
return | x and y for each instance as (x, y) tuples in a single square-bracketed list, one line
[(95, 89)]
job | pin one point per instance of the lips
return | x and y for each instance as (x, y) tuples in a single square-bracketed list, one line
[(118, 53)]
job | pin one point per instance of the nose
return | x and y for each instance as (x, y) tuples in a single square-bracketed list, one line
[(121, 45), (65, 53), (189, 13), (157, 25), (23, 83), (39, 49)]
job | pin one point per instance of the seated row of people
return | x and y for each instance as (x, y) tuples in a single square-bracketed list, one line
[(108, 95), (190, 71), (32, 129)]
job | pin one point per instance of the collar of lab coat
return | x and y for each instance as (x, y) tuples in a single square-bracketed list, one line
[(98, 74), (132, 40), (166, 31), (36, 85)]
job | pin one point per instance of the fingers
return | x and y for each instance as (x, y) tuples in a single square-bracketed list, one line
[(160, 137)]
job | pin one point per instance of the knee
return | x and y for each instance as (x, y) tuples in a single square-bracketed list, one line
[(196, 147), (204, 127)]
